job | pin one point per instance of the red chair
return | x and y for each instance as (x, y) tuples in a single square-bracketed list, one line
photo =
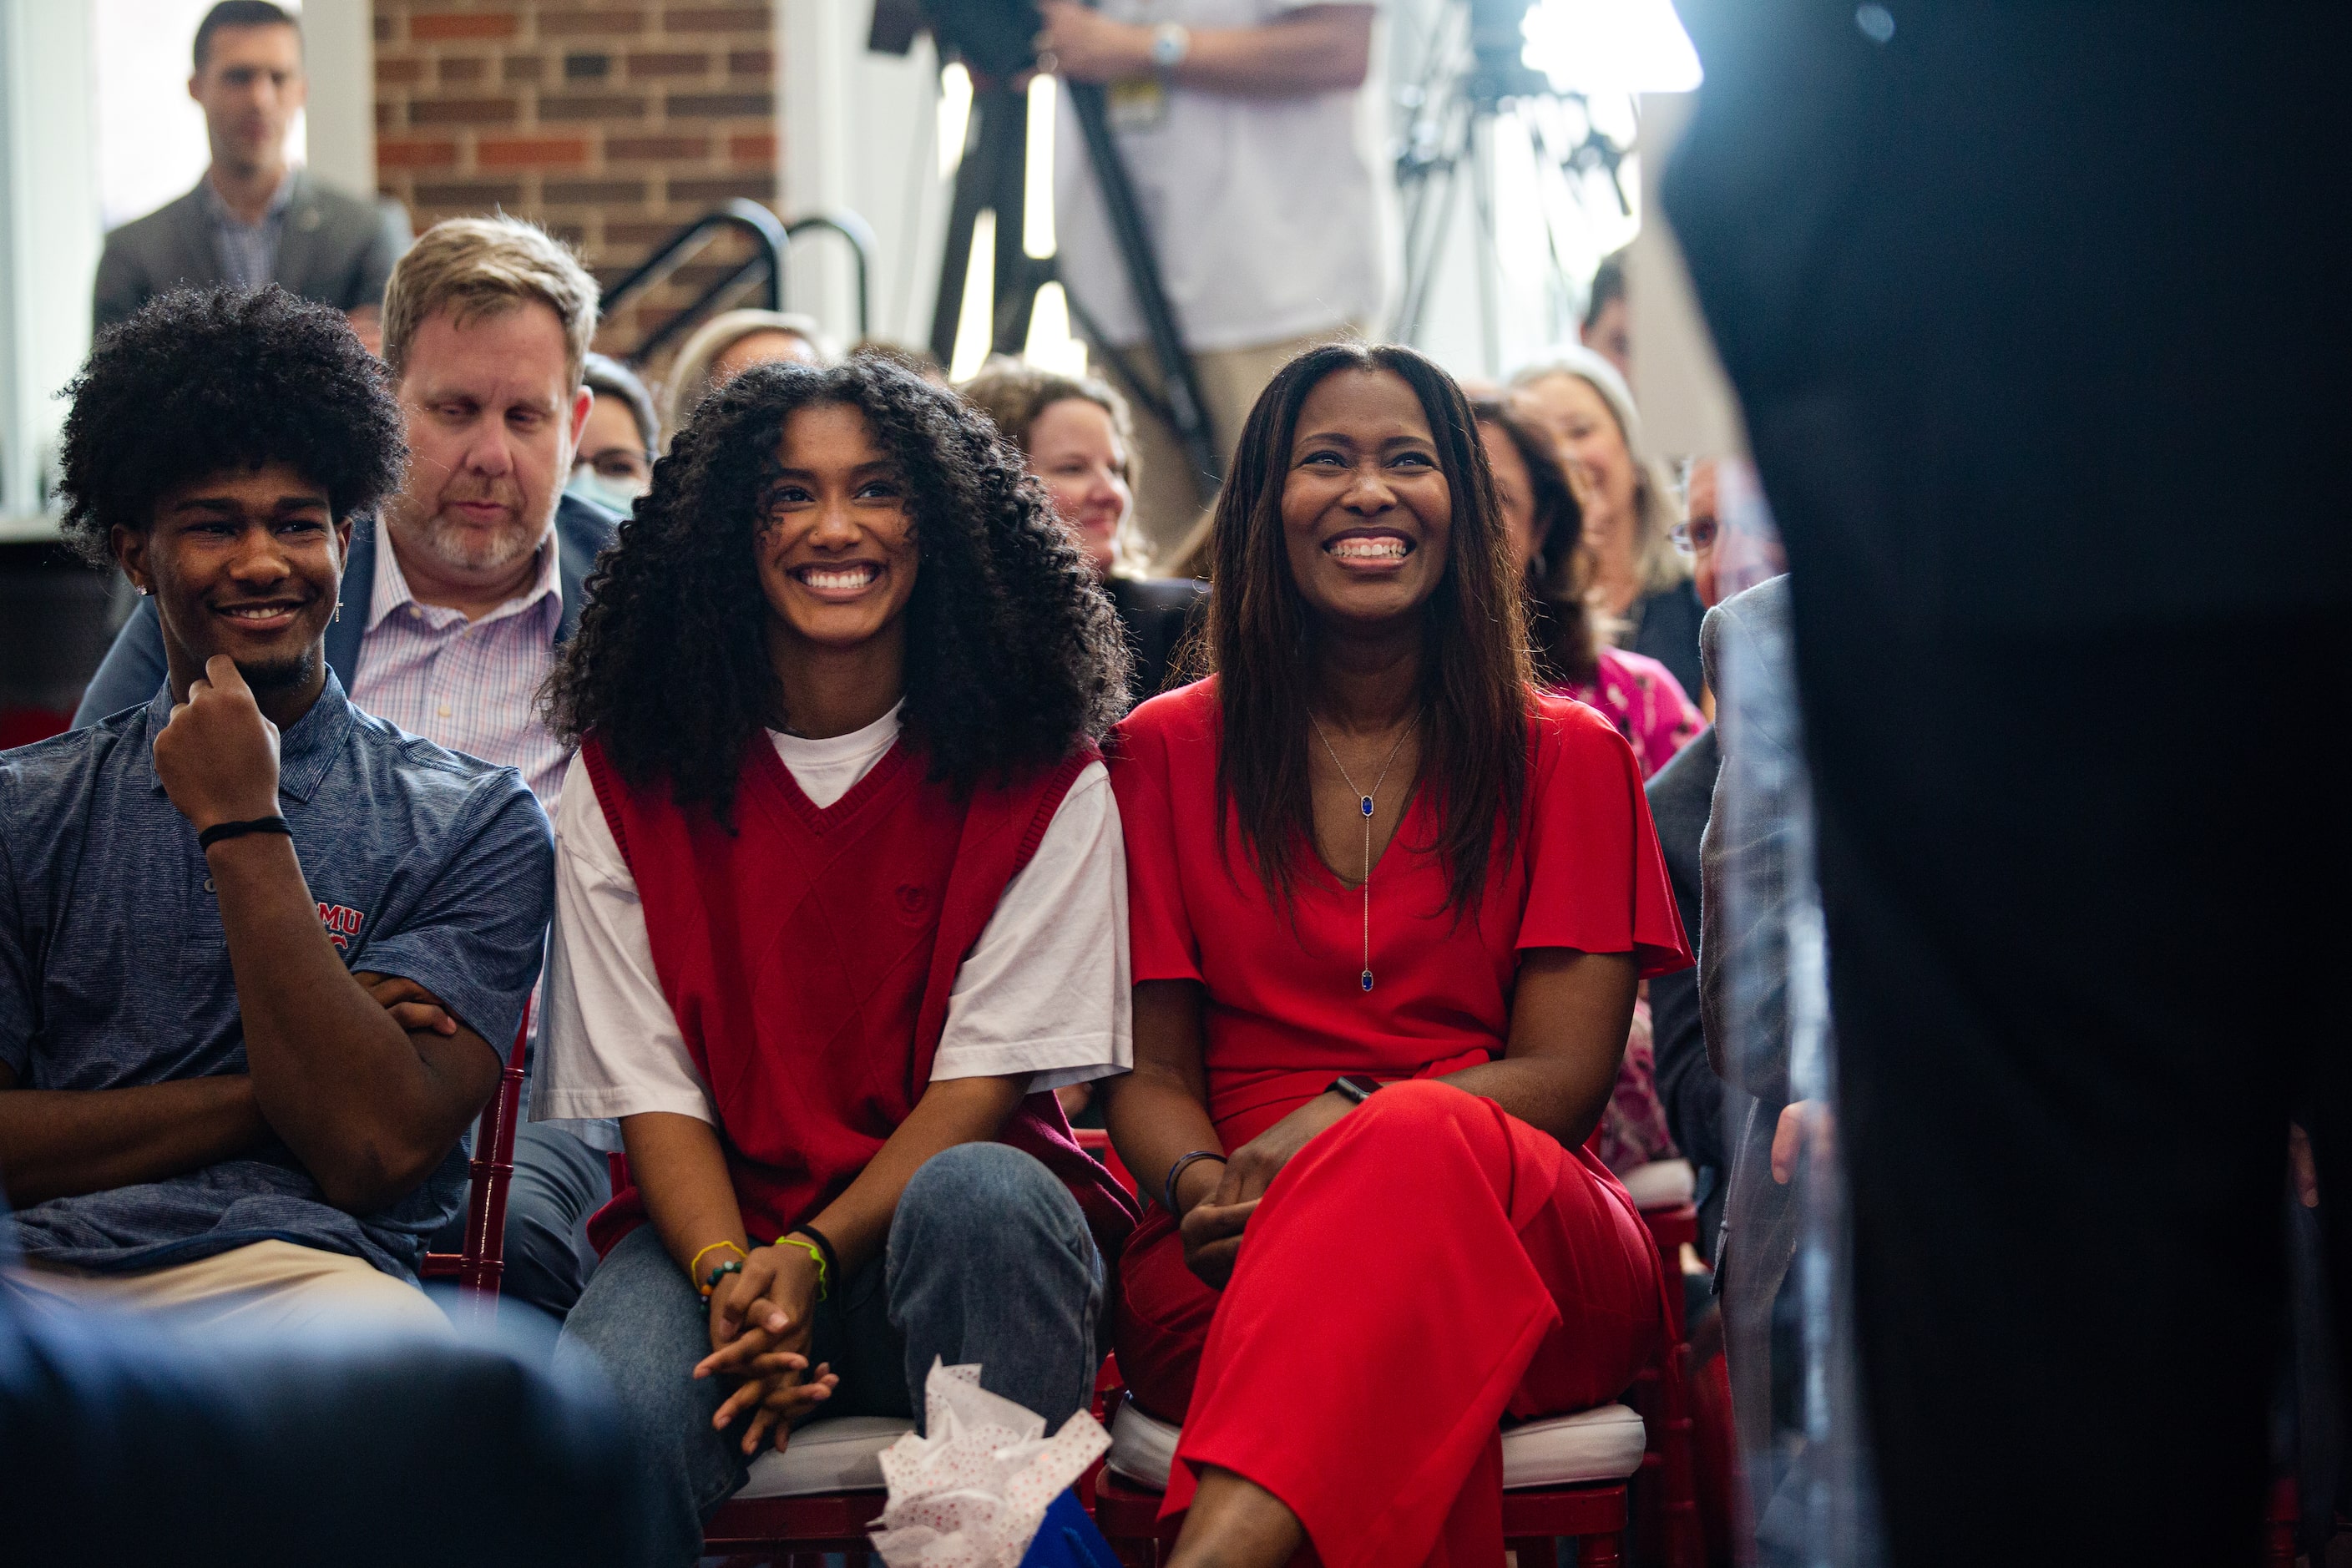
[(1563, 1479), (1667, 1527), (478, 1269), (817, 1496)]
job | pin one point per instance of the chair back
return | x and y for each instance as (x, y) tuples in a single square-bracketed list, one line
[(479, 1267)]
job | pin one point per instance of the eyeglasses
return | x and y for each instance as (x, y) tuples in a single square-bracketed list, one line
[(1696, 535)]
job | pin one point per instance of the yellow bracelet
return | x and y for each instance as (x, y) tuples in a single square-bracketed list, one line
[(694, 1266), (811, 1248)]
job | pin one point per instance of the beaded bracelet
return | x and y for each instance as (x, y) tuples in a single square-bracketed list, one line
[(718, 1272), (695, 1263)]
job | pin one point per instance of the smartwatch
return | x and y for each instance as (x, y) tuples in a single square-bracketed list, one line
[(1356, 1088), (1170, 42)]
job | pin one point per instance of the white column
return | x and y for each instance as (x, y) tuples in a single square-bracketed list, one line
[(49, 239), (339, 52), (860, 131)]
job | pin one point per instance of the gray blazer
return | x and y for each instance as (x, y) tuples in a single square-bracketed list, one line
[(1745, 1024), (337, 249)]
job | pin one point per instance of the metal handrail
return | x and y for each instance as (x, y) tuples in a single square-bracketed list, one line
[(862, 246), (768, 235), (773, 241)]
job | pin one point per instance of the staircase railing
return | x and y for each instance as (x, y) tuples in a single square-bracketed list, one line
[(772, 243)]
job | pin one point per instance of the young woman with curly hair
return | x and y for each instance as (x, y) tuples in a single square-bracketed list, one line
[(841, 899), (1390, 906)]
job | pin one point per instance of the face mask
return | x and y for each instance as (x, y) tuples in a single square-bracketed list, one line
[(615, 495)]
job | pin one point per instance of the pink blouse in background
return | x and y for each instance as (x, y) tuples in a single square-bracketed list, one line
[(1642, 697)]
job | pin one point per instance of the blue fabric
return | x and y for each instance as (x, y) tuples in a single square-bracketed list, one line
[(134, 666), (115, 1433), (559, 1180), (115, 969), (248, 251), (989, 1261), (1068, 1539)]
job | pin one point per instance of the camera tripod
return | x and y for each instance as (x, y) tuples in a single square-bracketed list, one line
[(1473, 76)]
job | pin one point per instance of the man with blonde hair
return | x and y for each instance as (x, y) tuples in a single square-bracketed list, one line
[(449, 631)]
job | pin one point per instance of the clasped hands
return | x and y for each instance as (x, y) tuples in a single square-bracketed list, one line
[(1211, 1228), (762, 1322)]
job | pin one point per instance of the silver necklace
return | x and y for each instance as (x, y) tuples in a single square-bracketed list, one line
[(1364, 803)]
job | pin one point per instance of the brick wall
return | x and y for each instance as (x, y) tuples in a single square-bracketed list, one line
[(613, 124)]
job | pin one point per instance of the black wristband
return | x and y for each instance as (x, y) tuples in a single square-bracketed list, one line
[(220, 832), (1168, 1186), (823, 1245)]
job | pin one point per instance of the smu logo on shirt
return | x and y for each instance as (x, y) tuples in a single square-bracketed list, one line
[(342, 923)]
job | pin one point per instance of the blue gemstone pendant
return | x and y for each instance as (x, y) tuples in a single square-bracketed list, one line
[(1367, 804), (1367, 978)]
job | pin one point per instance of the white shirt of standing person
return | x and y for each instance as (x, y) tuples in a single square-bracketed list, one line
[(1044, 992), (1263, 208)]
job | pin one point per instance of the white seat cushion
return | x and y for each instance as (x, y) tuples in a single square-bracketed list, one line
[(843, 1454), (1661, 1184), (1603, 1443)]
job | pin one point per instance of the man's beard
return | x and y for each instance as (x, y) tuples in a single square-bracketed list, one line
[(281, 674), (463, 549)]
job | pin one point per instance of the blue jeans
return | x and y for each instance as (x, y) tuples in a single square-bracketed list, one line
[(989, 1261), (558, 1183)]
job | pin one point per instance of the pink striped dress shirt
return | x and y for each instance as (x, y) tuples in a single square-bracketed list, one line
[(471, 686)]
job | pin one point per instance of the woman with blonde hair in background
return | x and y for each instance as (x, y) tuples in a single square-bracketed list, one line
[(1640, 580), (1079, 440), (731, 342)]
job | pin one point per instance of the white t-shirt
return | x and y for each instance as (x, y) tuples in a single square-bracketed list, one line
[(1262, 209), (1045, 991)]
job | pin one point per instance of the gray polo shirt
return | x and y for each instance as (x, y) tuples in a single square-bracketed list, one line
[(114, 970)]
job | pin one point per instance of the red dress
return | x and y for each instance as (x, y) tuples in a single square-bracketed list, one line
[(1431, 1263)]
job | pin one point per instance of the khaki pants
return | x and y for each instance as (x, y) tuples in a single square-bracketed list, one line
[(1166, 506), (267, 1287)]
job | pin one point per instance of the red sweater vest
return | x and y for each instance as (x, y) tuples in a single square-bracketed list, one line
[(808, 958)]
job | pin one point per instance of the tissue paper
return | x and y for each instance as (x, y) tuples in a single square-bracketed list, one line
[(972, 1490)]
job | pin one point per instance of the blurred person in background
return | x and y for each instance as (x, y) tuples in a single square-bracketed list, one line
[(460, 594), (1729, 554), (1543, 521), (1078, 440), (1608, 325), (731, 342), (252, 219), (1639, 581), (613, 464), (1542, 525), (1237, 122)]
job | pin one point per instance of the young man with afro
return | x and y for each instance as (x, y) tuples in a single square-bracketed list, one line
[(260, 953)]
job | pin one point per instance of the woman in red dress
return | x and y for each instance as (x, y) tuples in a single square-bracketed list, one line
[(1388, 906)]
